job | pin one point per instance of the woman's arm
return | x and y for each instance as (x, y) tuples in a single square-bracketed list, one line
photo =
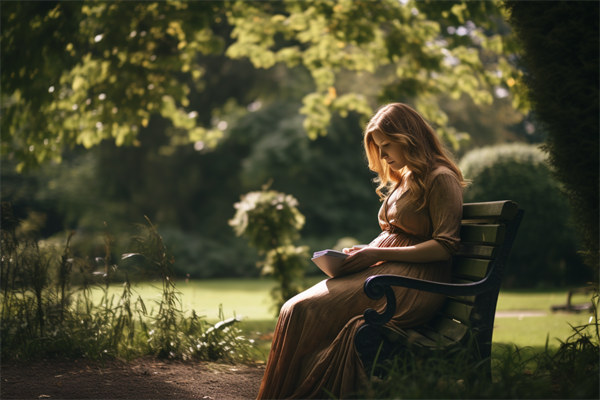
[(428, 251)]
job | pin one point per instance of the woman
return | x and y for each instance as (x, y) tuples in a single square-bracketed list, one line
[(313, 353)]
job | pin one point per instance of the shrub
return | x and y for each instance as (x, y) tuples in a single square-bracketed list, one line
[(545, 249), (271, 222)]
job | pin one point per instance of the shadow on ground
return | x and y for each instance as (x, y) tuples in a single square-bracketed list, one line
[(138, 379)]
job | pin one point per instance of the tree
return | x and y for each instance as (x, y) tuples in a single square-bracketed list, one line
[(78, 73), (560, 54), (423, 49), (133, 96)]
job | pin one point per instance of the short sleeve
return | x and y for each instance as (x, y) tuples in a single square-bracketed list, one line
[(445, 210)]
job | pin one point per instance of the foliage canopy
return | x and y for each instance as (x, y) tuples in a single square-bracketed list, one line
[(421, 49), (78, 73)]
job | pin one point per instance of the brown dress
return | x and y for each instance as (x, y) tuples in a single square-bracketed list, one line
[(313, 351)]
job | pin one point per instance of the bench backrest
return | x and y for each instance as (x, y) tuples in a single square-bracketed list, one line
[(487, 233)]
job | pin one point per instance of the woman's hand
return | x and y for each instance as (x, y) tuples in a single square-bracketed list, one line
[(360, 257), (353, 249)]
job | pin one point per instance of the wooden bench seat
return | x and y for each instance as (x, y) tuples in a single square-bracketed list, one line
[(466, 319)]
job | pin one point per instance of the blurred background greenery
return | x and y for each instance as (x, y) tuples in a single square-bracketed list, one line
[(112, 111)]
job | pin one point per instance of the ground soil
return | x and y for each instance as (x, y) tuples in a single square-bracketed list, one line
[(138, 379)]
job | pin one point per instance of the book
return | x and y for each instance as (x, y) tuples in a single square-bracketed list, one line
[(329, 261)]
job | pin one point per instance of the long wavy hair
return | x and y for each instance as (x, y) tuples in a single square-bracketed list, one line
[(423, 152)]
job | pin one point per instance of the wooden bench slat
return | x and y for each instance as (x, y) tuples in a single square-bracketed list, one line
[(470, 268), (457, 310), (452, 329), (464, 299), (492, 209), (482, 233), (476, 250), (435, 339), (409, 336)]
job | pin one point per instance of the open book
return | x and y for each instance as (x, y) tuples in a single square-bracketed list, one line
[(330, 262)]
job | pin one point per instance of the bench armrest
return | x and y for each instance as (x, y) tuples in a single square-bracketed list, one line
[(379, 285)]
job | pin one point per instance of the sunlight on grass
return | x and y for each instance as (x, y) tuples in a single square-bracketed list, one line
[(251, 300), (532, 331), (536, 300), (538, 322), (246, 298)]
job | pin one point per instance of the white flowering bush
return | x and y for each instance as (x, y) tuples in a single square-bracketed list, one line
[(271, 222)]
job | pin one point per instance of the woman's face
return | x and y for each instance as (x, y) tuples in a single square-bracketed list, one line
[(390, 152)]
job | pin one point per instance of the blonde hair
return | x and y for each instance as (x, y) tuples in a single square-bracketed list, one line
[(423, 151)]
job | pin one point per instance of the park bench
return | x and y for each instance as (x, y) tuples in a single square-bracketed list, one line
[(466, 319), (576, 308)]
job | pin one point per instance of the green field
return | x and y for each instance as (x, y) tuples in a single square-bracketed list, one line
[(523, 317)]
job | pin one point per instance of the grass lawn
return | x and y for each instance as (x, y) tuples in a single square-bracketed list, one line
[(536, 322), (523, 317)]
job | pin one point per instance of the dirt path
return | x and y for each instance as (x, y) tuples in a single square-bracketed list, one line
[(138, 379)]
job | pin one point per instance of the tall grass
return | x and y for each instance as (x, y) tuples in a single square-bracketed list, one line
[(44, 315)]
